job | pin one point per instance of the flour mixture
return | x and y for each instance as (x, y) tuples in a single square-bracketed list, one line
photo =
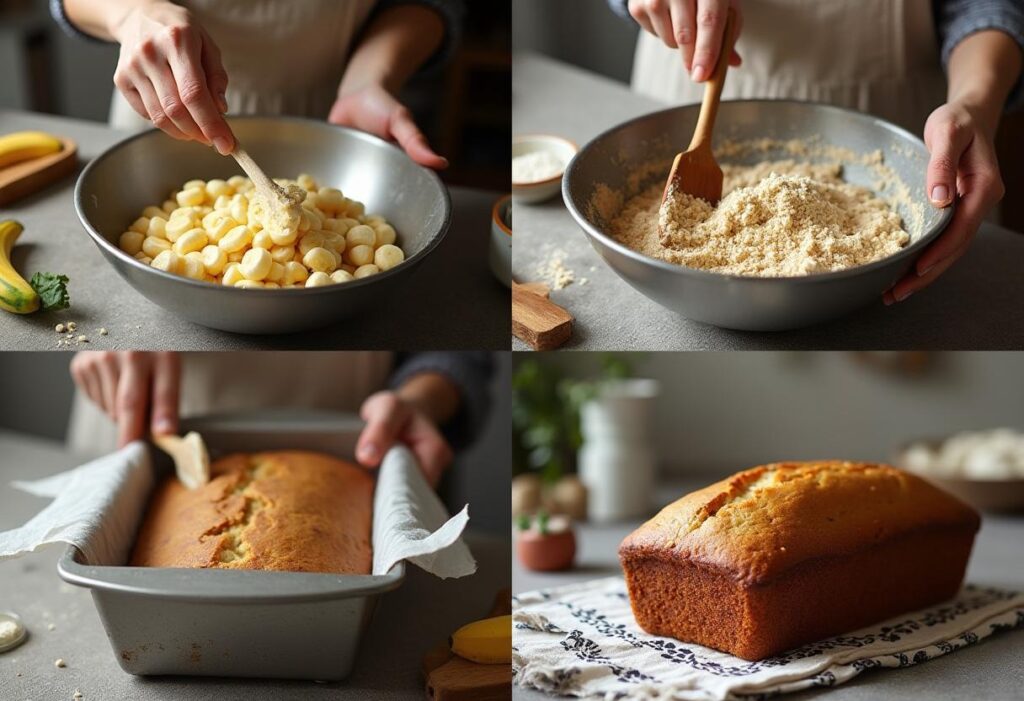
[(778, 218)]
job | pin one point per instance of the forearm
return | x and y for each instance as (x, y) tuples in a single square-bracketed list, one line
[(433, 394), (393, 47), (983, 68), (101, 18)]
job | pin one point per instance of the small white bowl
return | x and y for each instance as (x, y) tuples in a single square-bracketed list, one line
[(541, 190), (501, 240)]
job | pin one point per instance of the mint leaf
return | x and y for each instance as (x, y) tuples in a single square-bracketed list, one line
[(52, 290)]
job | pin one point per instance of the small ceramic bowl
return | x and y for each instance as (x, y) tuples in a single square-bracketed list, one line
[(501, 240), (540, 190), (993, 495)]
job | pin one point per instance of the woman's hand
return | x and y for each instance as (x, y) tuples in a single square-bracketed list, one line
[(373, 109), (960, 134), (963, 159), (125, 385), (391, 419), (170, 72), (695, 26)]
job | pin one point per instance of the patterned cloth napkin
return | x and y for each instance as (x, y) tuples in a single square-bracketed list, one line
[(581, 640)]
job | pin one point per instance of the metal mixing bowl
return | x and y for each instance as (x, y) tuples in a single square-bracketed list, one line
[(113, 190), (732, 301)]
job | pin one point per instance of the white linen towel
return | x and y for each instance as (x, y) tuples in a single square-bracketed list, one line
[(581, 640)]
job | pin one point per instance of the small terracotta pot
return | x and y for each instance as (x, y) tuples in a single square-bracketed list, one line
[(547, 552)]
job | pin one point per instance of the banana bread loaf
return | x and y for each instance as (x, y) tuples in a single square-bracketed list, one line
[(291, 511), (782, 555)]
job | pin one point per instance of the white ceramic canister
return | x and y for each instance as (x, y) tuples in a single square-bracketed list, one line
[(617, 459)]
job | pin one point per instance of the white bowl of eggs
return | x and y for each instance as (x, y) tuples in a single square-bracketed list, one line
[(538, 163)]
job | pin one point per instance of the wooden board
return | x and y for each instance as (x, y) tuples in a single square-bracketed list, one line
[(537, 320), (22, 179), (451, 678)]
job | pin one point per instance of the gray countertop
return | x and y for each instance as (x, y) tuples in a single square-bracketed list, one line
[(452, 301), (408, 621), (991, 670), (974, 306)]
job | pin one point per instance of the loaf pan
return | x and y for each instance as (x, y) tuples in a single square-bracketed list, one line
[(237, 623)]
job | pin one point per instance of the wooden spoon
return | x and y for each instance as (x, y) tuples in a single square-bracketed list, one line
[(191, 459), (271, 192), (695, 171)]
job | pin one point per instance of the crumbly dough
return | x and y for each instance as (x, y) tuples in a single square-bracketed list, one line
[(776, 218)]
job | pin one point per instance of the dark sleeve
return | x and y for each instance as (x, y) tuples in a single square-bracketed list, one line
[(451, 12), (955, 20), (470, 372), (60, 15), (620, 8)]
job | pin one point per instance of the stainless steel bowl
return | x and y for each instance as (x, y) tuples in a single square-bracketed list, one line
[(751, 303), (113, 190)]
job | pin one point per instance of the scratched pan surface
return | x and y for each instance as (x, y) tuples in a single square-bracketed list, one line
[(237, 623), (142, 170), (751, 303)]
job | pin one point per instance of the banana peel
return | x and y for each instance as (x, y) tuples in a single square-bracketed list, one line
[(26, 145), (488, 641), (16, 295)]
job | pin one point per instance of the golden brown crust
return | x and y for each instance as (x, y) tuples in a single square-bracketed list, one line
[(785, 554), (762, 521), (291, 511)]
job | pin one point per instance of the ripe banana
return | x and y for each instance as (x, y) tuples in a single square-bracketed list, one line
[(16, 295), (25, 145), (488, 641)]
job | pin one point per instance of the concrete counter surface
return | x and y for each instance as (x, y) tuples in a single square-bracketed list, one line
[(407, 622), (990, 670), (975, 305), (451, 301)]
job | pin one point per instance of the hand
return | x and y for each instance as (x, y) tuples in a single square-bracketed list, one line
[(696, 26), (963, 159), (126, 385), (170, 72), (390, 419), (373, 109)]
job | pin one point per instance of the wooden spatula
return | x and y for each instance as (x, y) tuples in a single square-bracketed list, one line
[(695, 171), (191, 459)]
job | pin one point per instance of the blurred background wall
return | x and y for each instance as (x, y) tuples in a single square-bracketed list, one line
[(582, 32), (464, 108), (722, 412), (39, 391)]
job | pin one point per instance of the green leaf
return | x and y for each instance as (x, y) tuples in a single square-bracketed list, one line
[(52, 290)]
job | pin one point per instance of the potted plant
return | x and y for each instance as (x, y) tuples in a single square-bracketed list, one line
[(545, 543)]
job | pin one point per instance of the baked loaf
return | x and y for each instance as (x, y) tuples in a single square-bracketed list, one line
[(290, 511), (782, 555)]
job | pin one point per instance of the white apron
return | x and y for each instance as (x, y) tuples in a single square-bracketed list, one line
[(875, 56), (281, 56), (224, 382)]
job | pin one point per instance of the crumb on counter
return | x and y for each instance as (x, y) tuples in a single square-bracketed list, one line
[(59, 663), (59, 328)]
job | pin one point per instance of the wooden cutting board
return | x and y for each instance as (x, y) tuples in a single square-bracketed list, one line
[(451, 678), (537, 320), (22, 179)]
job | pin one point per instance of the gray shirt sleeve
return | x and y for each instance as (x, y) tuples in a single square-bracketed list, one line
[(470, 372), (955, 20), (451, 12), (620, 7)]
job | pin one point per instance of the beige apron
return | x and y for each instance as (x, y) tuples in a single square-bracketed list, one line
[(875, 56), (224, 382), (282, 56)]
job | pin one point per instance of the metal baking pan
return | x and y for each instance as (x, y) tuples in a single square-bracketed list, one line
[(237, 623)]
